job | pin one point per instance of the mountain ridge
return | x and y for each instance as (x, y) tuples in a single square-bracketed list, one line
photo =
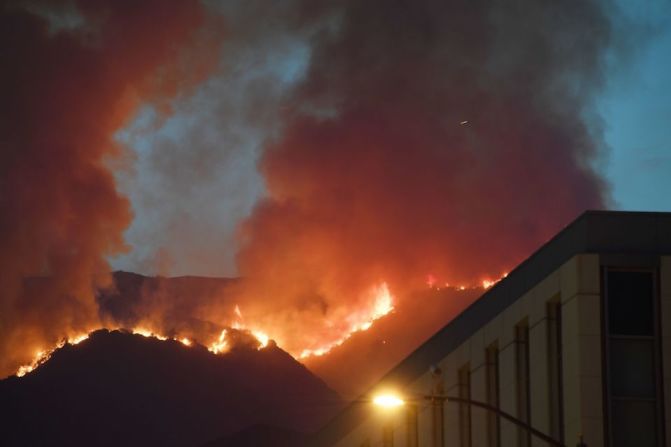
[(117, 388)]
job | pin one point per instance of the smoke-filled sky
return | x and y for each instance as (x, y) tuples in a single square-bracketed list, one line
[(195, 177), (73, 74), (327, 152)]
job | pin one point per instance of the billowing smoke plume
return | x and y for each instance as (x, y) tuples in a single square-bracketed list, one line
[(428, 138), (73, 74), (398, 141)]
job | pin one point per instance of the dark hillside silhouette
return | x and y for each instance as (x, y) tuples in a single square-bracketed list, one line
[(121, 389), (260, 436)]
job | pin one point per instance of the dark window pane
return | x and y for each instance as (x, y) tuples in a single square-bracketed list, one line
[(632, 368), (633, 424), (555, 395), (630, 305), (523, 401), (492, 394), (464, 408)]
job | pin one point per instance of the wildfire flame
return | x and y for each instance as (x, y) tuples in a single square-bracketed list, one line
[(382, 305), (44, 355), (221, 345), (262, 337), (486, 283), (147, 333)]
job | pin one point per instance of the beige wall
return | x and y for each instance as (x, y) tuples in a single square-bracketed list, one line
[(577, 285), (581, 350)]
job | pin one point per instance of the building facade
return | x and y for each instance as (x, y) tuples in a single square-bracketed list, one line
[(575, 342)]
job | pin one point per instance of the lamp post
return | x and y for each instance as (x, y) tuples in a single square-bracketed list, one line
[(394, 401)]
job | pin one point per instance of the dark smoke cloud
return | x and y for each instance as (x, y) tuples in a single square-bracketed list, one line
[(429, 137), (73, 74), (402, 139)]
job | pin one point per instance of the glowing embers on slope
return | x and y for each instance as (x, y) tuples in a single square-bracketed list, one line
[(486, 283), (44, 355), (382, 304), (147, 333), (220, 345), (143, 331)]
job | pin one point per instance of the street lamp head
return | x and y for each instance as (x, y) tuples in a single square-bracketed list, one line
[(388, 400)]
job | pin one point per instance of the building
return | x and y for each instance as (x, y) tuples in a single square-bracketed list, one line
[(575, 341)]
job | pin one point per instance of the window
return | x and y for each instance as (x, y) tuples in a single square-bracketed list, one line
[(492, 389), (465, 408), (556, 395), (633, 364), (630, 303), (522, 373)]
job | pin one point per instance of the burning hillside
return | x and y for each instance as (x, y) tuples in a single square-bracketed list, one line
[(376, 351), (123, 306), (375, 346)]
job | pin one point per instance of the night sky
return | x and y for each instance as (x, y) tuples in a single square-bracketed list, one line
[(636, 108)]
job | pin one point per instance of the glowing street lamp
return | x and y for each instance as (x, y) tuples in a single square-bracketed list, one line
[(388, 401)]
